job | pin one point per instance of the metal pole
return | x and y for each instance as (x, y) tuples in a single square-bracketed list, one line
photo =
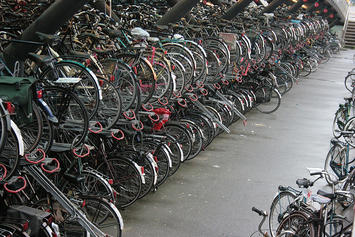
[(178, 11), (103, 7), (49, 22), (236, 8), (272, 6)]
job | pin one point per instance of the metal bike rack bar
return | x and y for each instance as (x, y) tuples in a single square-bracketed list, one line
[(75, 213), (208, 113)]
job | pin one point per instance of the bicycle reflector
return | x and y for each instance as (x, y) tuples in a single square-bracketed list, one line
[(10, 107), (39, 94)]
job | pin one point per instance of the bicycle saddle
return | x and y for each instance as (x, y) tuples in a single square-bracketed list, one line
[(47, 38), (139, 33), (304, 183), (334, 141), (40, 59), (320, 199), (113, 33)]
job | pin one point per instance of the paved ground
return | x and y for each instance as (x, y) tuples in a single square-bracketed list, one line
[(212, 195)]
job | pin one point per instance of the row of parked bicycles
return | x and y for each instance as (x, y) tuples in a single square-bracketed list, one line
[(111, 105), (301, 212)]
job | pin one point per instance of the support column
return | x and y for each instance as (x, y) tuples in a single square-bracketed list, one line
[(236, 8), (178, 11), (49, 22)]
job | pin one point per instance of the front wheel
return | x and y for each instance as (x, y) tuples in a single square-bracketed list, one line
[(279, 207), (268, 99)]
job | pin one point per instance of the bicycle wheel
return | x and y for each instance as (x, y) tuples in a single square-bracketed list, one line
[(32, 132), (3, 126), (349, 185), (350, 127), (124, 80), (278, 209), (87, 89), (102, 214), (268, 99), (163, 84), (178, 75), (94, 184), (73, 122), (176, 153), (182, 137), (349, 81), (10, 154), (161, 157), (110, 107), (150, 175), (126, 180), (298, 223), (196, 134), (335, 162), (306, 69), (145, 74), (206, 125), (46, 139), (339, 122)]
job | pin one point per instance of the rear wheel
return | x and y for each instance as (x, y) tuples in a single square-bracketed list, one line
[(298, 223)]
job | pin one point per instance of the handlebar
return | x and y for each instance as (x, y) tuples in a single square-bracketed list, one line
[(264, 215), (260, 212)]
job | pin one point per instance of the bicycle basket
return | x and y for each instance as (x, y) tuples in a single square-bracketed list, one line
[(18, 90)]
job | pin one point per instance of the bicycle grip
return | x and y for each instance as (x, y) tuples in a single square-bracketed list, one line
[(261, 213)]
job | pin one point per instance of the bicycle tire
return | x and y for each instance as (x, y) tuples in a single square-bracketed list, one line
[(197, 140), (10, 154), (181, 135), (338, 122), (32, 132), (298, 223), (4, 126), (335, 162), (126, 181), (110, 107), (350, 127), (268, 99), (73, 121), (87, 89), (278, 209)]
